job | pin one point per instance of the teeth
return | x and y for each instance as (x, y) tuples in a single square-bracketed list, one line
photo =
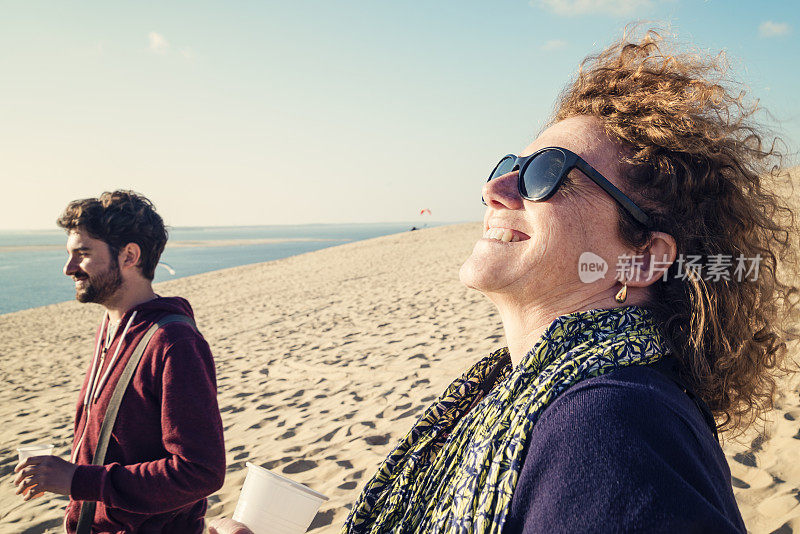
[(501, 234), (493, 233)]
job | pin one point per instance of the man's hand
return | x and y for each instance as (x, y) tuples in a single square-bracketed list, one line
[(38, 474), (223, 525)]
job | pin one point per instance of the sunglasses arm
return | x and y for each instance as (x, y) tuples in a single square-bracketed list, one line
[(615, 193)]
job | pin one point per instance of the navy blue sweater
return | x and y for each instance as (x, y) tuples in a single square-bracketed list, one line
[(624, 452)]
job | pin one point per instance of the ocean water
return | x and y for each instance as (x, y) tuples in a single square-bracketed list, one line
[(31, 262)]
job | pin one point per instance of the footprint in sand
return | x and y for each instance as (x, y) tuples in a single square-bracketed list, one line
[(756, 444), (786, 528), (378, 440), (234, 467), (739, 483), (299, 466), (408, 413), (747, 458), (286, 435), (322, 519), (327, 437), (6, 469), (275, 463)]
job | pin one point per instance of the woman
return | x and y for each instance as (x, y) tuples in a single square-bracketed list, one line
[(598, 414)]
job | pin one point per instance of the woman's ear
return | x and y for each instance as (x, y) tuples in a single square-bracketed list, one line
[(654, 260)]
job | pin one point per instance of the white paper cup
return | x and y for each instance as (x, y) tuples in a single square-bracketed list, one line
[(272, 504), (39, 449)]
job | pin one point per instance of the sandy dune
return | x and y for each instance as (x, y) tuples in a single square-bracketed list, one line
[(324, 361)]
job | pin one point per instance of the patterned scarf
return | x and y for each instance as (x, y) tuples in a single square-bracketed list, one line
[(457, 468)]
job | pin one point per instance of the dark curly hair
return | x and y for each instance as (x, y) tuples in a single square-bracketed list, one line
[(118, 218), (709, 176)]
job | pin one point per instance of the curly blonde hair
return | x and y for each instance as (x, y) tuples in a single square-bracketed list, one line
[(700, 164)]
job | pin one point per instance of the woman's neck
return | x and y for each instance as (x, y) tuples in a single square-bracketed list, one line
[(524, 323)]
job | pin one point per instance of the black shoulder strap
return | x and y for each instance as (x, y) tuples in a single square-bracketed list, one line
[(669, 368), (86, 517)]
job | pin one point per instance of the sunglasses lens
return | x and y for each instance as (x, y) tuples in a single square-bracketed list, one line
[(504, 167), (541, 175)]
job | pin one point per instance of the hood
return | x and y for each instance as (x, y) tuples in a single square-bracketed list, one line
[(160, 306)]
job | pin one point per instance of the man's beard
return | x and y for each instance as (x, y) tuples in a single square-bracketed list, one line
[(100, 287)]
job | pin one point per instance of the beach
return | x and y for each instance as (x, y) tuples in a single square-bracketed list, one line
[(324, 361)]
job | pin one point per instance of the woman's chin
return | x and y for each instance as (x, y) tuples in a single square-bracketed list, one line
[(468, 274), (476, 274)]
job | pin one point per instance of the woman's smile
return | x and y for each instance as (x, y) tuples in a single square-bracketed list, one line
[(506, 235)]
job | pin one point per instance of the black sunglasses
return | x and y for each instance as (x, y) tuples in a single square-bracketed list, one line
[(543, 172)]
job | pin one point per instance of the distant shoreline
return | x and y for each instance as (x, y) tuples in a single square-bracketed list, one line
[(191, 243), (31, 266)]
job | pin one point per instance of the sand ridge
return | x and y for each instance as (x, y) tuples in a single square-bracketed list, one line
[(324, 362)]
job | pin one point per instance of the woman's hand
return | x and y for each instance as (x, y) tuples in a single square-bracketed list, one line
[(223, 525)]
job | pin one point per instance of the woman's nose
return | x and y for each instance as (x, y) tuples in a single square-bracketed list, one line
[(503, 192)]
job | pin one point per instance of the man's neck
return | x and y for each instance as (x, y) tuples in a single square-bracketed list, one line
[(129, 296)]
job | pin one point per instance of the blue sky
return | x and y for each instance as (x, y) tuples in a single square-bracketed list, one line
[(261, 112)]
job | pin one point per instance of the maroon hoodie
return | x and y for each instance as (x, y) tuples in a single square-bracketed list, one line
[(166, 453)]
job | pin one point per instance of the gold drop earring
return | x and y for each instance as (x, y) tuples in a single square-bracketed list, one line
[(623, 293)]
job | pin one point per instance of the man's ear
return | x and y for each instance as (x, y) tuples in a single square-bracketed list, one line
[(129, 256), (657, 257)]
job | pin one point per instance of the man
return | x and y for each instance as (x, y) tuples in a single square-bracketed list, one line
[(166, 453)]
